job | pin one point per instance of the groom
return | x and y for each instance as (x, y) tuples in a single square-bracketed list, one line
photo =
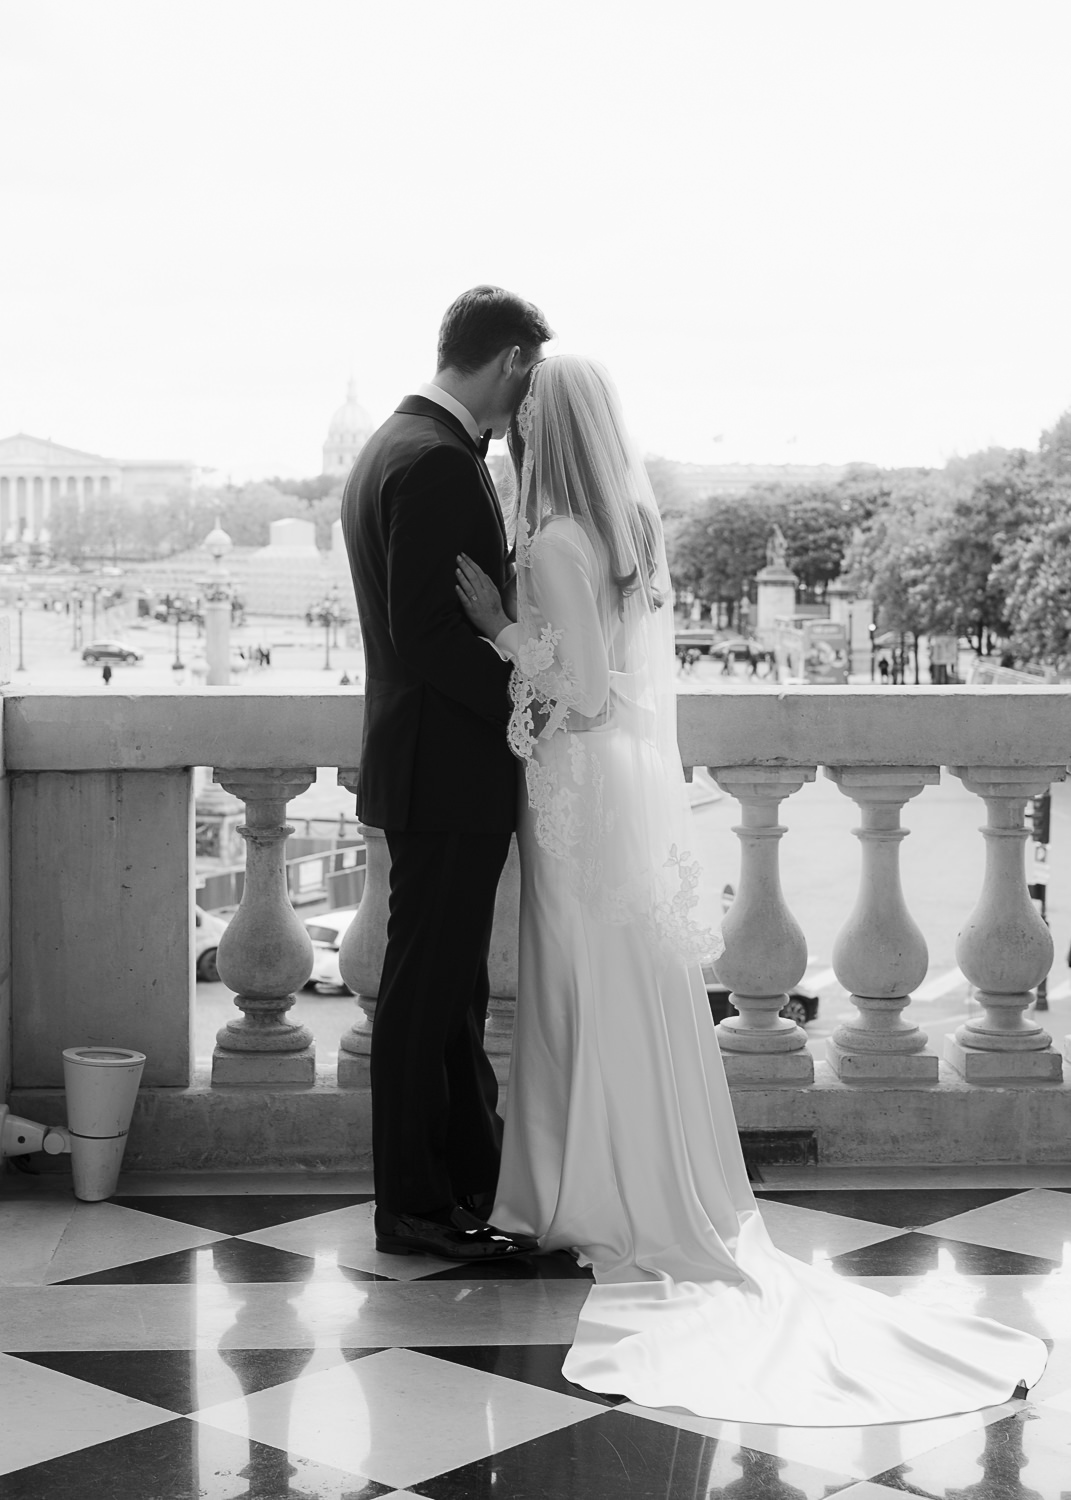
[(436, 775)]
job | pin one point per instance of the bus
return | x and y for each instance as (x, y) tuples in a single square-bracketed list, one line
[(809, 650)]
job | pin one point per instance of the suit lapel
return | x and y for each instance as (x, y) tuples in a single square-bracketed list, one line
[(420, 406)]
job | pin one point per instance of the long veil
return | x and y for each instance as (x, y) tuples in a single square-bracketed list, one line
[(594, 700)]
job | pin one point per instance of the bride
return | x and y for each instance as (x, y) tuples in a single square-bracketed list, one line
[(620, 1140)]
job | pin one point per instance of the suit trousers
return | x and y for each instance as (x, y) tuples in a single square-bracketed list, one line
[(435, 1134)]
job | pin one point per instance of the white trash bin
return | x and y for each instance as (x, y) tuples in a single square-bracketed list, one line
[(102, 1085)]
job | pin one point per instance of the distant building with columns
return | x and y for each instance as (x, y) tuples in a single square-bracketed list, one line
[(350, 429), (35, 473)]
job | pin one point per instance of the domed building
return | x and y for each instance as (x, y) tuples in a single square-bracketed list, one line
[(350, 429)]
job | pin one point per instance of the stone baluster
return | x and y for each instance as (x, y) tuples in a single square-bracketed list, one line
[(360, 958), (880, 954), (265, 953), (1004, 949), (765, 950)]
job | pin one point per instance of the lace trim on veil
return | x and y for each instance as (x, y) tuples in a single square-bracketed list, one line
[(573, 820)]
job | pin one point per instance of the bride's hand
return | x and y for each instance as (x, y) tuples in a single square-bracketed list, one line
[(479, 598)]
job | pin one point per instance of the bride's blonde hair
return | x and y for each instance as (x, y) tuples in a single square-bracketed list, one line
[(572, 456)]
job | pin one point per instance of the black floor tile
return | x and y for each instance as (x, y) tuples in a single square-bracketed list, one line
[(224, 1260), (184, 1460), (556, 1267), (914, 1254), (617, 1456), (897, 1208), (241, 1213), (176, 1379), (534, 1364)]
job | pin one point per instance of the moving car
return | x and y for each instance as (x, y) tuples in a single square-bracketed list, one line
[(208, 930), (112, 651), (327, 929)]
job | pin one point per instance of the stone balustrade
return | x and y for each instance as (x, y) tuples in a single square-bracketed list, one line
[(99, 841)]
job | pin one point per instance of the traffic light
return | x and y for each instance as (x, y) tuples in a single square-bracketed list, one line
[(1040, 808)]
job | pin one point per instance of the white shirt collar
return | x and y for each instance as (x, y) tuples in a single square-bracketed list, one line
[(444, 399)]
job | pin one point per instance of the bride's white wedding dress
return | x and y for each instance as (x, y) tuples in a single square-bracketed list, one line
[(620, 1140)]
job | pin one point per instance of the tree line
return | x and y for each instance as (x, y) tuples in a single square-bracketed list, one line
[(980, 548), (117, 528)]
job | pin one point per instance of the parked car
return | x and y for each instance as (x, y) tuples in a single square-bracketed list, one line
[(799, 1007), (209, 927), (112, 651), (327, 929)]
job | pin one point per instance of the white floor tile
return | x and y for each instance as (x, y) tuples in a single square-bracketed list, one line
[(1062, 1402), (846, 1450), (31, 1227), (101, 1235), (290, 1315), (347, 1236), (1036, 1222), (362, 1417), (813, 1236), (46, 1413)]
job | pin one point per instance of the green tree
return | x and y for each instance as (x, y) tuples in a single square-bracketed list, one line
[(721, 545), (1054, 447)]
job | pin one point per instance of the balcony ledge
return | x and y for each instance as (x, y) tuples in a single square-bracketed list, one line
[(327, 1128)]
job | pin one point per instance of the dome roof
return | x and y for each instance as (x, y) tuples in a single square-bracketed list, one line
[(351, 423)]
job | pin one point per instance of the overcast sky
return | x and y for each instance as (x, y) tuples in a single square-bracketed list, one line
[(795, 230)]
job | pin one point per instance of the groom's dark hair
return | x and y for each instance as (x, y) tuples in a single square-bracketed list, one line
[(482, 322)]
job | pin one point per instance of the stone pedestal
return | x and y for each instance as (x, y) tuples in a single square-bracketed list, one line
[(776, 600), (218, 641)]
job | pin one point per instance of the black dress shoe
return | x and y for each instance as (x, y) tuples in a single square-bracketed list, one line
[(408, 1235)]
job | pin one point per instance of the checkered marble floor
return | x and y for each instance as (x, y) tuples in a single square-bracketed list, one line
[(240, 1337)]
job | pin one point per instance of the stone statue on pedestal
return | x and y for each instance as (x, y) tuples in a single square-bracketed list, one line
[(776, 549)]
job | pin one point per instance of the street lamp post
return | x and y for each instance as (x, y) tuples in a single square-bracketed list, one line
[(20, 605), (76, 606), (177, 664), (217, 594)]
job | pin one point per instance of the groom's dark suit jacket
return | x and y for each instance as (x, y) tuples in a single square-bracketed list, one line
[(434, 754)]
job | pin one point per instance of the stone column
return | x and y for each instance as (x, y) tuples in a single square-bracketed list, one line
[(1004, 949), (765, 950), (880, 954), (265, 953)]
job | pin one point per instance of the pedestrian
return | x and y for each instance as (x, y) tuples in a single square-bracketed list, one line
[(344, 680), (106, 673), (883, 668)]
